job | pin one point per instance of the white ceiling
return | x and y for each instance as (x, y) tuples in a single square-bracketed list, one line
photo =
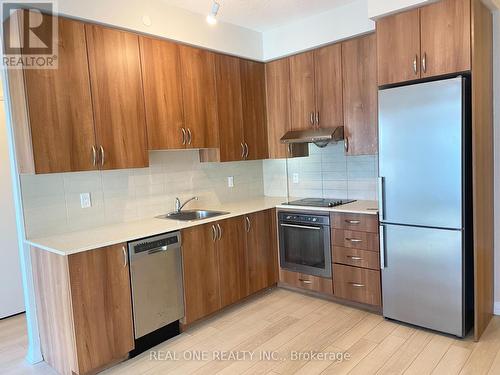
[(260, 15)]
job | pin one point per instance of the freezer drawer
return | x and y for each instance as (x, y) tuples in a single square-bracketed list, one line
[(422, 279)]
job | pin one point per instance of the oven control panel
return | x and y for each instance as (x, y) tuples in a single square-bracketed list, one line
[(304, 218)]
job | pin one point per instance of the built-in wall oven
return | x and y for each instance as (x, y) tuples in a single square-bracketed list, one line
[(305, 243)]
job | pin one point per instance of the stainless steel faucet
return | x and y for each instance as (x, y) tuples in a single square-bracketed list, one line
[(179, 206)]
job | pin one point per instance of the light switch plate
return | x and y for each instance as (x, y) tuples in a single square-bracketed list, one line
[(230, 181), (85, 201), (295, 178)]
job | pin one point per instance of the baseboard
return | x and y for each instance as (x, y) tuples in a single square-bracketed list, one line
[(496, 308)]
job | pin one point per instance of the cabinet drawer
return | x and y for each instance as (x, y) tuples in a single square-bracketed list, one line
[(354, 239), (356, 257), (357, 284), (300, 280), (358, 222)]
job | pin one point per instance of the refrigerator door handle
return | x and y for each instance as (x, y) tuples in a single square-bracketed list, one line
[(382, 247), (381, 198)]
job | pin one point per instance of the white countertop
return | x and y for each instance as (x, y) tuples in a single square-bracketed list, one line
[(89, 239)]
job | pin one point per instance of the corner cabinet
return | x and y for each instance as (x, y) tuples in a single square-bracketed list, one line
[(84, 308), (430, 41)]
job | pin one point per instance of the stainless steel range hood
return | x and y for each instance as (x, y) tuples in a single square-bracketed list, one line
[(317, 136)]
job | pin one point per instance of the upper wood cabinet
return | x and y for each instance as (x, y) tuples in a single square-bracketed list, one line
[(60, 105), (117, 93), (199, 97), (360, 95), (431, 41), (161, 72), (278, 106), (316, 88), (253, 89)]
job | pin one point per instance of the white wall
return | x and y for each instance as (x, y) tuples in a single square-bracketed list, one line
[(496, 88), (168, 22), (340, 23), (11, 290)]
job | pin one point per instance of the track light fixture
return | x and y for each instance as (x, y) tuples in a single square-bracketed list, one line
[(211, 17)]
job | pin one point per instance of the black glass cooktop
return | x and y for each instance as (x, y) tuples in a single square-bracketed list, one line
[(320, 202)]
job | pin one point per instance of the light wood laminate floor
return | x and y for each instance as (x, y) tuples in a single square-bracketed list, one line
[(281, 323)]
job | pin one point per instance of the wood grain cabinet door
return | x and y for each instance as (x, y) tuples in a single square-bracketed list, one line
[(102, 306), (328, 86), (161, 74), (117, 94), (60, 105), (398, 47), (359, 60), (199, 97), (278, 105), (232, 261), (261, 250), (303, 105), (253, 97), (230, 112), (446, 37), (201, 272)]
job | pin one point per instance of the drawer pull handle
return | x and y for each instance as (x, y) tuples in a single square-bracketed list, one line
[(354, 240), (354, 257), (305, 281), (353, 221), (356, 285)]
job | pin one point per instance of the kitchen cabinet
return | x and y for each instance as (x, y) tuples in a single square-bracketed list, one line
[(360, 95), (261, 250), (117, 95), (199, 97), (60, 109), (357, 284), (316, 88), (201, 272), (308, 282), (232, 263), (431, 41), (84, 308), (161, 72), (241, 109)]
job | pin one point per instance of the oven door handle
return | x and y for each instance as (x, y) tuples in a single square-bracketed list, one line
[(300, 226)]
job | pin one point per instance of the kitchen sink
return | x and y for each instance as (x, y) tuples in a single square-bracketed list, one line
[(192, 215)]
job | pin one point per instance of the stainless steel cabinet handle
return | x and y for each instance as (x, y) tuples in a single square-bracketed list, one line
[(190, 136), (300, 226), (353, 240), (311, 119), (220, 231), (381, 197), (317, 118), (242, 150), (183, 136), (424, 62), (94, 156), (415, 62), (354, 257), (382, 247), (289, 149), (304, 281), (353, 222), (102, 155), (356, 285), (346, 144), (248, 224), (246, 151), (214, 233), (125, 256)]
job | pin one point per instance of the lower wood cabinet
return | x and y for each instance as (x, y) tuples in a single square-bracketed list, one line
[(357, 284), (225, 261), (309, 282), (84, 308)]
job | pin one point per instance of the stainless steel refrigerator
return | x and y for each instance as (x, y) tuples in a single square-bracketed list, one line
[(425, 204)]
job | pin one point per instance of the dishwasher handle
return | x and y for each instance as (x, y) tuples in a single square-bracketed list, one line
[(158, 249)]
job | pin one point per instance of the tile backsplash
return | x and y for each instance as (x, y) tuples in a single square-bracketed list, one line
[(52, 202), (325, 173)]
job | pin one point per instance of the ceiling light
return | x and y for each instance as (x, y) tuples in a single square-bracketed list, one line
[(211, 18)]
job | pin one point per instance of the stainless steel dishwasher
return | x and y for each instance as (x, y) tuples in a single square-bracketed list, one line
[(157, 292)]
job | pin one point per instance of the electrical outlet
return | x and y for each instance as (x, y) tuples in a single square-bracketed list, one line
[(295, 178), (230, 181), (85, 201)]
